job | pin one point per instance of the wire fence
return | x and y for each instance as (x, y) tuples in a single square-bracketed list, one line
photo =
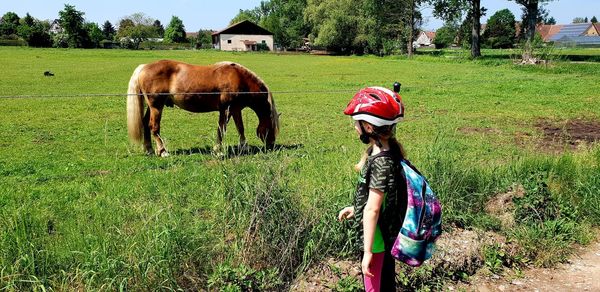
[(179, 93)]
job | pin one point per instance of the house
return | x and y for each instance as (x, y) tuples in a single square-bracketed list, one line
[(425, 39), (55, 27), (573, 30), (242, 36)]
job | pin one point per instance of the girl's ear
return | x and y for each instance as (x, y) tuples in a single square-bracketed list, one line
[(368, 127)]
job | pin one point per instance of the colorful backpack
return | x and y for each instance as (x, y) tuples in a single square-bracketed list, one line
[(422, 223)]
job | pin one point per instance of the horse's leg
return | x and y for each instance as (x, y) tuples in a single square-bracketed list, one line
[(239, 124), (155, 115), (147, 141), (223, 119)]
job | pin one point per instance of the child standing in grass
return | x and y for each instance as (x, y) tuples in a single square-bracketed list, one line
[(380, 197)]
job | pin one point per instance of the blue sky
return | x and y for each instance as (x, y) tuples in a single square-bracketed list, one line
[(215, 14)]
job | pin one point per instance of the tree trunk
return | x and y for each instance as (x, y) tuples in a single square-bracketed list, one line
[(532, 11), (476, 30), (409, 45)]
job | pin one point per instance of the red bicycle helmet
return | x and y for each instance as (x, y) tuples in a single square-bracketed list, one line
[(376, 105)]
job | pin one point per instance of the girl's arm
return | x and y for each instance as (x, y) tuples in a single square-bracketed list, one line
[(370, 217)]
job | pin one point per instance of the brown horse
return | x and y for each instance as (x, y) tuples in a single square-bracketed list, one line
[(225, 87)]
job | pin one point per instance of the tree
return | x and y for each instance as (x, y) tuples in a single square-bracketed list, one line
[(578, 20), (95, 35), (242, 15), (39, 35), (594, 19), (334, 22), (500, 31), (444, 36), (9, 24), (550, 20), (72, 22), (108, 31), (175, 31), (204, 40), (531, 9), (134, 29), (585, 20), (452, 10), (160, 30), (415, 20)]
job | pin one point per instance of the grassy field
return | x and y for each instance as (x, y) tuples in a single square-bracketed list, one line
[(80, 208)]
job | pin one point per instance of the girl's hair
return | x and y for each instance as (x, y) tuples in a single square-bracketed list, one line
[(386, 132)]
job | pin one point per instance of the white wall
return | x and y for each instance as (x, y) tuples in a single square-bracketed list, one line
[(237, 41)]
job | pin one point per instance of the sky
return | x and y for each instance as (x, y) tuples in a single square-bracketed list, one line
[(216, 14)]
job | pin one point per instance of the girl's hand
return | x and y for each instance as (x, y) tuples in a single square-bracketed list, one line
[(346, 213), (366, 263)]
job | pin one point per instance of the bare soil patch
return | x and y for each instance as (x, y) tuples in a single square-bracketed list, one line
[(580, 273), (501, 206), (570, 134)]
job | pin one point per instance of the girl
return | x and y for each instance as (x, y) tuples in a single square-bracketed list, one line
[(380, 197)]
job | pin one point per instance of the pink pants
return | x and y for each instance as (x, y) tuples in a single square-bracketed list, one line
[(373, 284)]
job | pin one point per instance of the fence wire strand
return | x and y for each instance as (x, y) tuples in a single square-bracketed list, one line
[(179, 93)]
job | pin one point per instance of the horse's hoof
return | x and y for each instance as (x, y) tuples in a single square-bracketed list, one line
[(164, 154)]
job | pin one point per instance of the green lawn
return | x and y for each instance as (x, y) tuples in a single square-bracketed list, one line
[(80, 208)]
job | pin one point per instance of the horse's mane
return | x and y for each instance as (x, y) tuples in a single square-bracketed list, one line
[(274, 114)]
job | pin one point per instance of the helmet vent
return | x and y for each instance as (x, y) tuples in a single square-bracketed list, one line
[(375, 96)]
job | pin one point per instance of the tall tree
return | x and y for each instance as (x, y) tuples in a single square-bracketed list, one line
[(585, 20), (451, 10), (108, 31), (72, 22), (95, 35), (594, 19), (578, 20), (175, 31), (9, 24), (532, 8), (160, 30), (134, 29), (500, 31), (334, 23), (415, 20)]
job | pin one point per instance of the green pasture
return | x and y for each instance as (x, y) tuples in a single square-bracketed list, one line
[(81, 208)]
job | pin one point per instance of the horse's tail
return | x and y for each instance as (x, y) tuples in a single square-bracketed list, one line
[(135, 107)]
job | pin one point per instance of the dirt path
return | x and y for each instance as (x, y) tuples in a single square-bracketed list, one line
[(581, 273)]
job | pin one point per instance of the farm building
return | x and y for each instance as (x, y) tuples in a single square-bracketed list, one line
[(580, 34), (243, 36), (425, 39)]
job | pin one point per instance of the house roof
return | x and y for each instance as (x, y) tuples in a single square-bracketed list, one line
[(430, 35), (244, 27), (571, 30), (597, 27), (580, 40), (548, 30)]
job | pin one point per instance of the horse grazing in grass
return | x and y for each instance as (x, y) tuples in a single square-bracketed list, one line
[(225, 87)]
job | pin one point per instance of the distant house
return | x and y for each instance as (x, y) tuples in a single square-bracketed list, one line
[(55, 27), (242, 36), (577, 34), (425, 39)]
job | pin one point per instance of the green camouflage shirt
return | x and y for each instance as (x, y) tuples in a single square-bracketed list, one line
[(383, 173)]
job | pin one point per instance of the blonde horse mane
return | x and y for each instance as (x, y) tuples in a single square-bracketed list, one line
[(274, 114)]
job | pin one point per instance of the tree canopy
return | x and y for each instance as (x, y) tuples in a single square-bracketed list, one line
[(175, 31), (500, 30)]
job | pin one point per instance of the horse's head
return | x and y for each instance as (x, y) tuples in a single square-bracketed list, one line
[(267, 130), (268, 126)]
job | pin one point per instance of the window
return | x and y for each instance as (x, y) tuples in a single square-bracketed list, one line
[(229, 41)]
